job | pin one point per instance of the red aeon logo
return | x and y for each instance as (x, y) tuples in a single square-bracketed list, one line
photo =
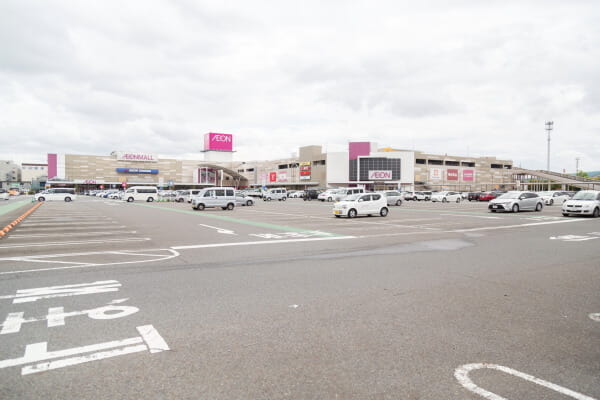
[(221, 138)]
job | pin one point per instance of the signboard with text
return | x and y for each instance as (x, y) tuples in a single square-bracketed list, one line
[(452, 174), (468, 175), (435, 174), (380, 175), (272, 176), (218, 141), (282, 177), (305, 171), (132, 156)]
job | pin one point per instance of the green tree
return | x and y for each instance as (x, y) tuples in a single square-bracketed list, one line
[(582, 174)]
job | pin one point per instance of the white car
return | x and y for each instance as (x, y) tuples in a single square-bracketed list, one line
[(554, 197), (361, 204), (446, 197), (394, 198), (516, 201), (586, 202), (242, 199), (327, 195), (61, 194), (297, 194), (4, 194)]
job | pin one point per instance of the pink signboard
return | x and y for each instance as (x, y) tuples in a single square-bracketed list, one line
[(218, 141), (452, 174), (52, 165), (356, 149), (272, 176), (468, 175)]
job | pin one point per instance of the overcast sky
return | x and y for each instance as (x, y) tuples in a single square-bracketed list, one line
[(458, 77)]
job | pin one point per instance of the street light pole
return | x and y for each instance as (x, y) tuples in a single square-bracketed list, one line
[(549, 127), (576, 165)]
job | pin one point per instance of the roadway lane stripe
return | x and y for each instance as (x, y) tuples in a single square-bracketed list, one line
[(472, 216), (46, 244), (204, 246), (487, 228), (236, 220)]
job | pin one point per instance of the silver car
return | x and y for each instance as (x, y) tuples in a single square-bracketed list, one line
[(242, 199), (223, 197), (394, 198), (516, 201)]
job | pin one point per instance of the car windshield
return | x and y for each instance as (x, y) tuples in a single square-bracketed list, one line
[(544, 193), (585, 196), (510, 195), (352, 197)]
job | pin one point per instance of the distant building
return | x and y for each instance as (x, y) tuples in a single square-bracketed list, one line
[(33, 176), (10, 174)]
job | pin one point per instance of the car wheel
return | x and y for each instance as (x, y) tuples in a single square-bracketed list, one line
[(249, 203), (338, 216), (492, 210), (352, 213), (230, 206), (150, 199), (223, 208), (383, 212), (565, 214), (538, 207), (129, 200), (458, 200), (329, 199), (444, 200), (67, 199), (200, 207), (551, 202), (268, 199), (398, 202), (515, 208), (283, 199), (41, 199), (415, 198), (596, 213)]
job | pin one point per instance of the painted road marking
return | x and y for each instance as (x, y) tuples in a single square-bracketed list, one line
[(353, 221), (149, 340), (219, 230), (99, 227), (68, 224), (486, 228), (56, 316), (170, 253), (576, 238), (41, 235), (595, 317), (205, 246), (286, 235), (31, 295), (472, 216), (48, 244), (226, 218), (462, 375)]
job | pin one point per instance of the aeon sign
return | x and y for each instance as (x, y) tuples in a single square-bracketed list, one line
[(380, 175), (218, 141)]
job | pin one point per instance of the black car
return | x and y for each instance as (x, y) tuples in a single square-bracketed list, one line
[(310, 194), (473, 196)]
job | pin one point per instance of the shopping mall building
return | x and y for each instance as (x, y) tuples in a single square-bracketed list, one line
[(362, 164)]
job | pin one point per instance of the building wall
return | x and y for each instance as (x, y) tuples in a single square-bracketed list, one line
[(10, 173), (30, 171)]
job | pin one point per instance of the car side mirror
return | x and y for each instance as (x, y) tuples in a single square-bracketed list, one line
[(521, 197), (359, 200)]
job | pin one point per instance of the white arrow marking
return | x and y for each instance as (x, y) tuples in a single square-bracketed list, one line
[(219, 230)]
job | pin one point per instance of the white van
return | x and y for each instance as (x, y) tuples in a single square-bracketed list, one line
[(143, 193), (275, 194), (342, 193), (223, 197), (62, 194)]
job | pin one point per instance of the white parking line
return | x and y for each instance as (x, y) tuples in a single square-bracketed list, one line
[(213, 245), (68, 224), (47, 244), (462, 375), (472, 216), (486, 228), (41, 235)]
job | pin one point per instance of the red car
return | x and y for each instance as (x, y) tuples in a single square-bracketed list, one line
[(487, 196)]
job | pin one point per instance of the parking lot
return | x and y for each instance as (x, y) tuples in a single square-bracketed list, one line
[(102, 298)]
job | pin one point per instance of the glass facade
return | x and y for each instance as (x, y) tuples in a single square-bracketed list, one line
[(375, 164)]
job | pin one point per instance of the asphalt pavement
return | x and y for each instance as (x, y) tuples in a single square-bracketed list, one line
[(106, 299)]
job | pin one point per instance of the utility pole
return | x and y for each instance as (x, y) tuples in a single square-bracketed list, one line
[(549, 127), (576, 165)]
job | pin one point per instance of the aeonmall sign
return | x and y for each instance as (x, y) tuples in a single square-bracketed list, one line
[(131, 156)]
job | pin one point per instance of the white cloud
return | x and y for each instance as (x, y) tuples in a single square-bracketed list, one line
[(458, 77)]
